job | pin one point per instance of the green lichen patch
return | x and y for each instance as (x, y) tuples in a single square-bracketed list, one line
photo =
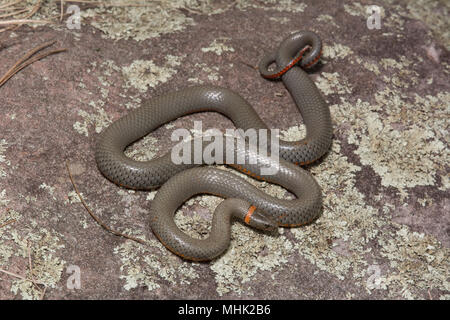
[(152, 20), (403, 77)]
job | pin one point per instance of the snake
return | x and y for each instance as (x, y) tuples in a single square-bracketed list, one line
[(243, 201)]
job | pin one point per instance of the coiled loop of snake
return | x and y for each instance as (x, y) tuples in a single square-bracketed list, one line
[(244, 201)]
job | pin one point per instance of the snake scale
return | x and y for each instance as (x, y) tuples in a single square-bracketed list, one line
[(180, 182)]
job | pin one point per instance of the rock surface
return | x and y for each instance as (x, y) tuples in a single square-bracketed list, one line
[(384, 231)]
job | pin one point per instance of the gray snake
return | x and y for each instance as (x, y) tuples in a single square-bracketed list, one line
[(180, 182)]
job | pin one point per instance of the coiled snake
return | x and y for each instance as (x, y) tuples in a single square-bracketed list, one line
[(243, 200)]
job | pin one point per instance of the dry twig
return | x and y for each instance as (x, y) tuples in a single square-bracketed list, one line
[(18, 276), (62, 11), (104, 226), (6, 15), (32, 280), (34, 9), (106, 4), (16, 23), (35, 283), (7, 223), (22, 21), (30, 265), (9, 4)]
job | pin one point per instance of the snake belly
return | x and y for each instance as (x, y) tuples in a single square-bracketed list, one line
[(181, 181)]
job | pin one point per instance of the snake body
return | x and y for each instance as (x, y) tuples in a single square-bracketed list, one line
[(243, 200)]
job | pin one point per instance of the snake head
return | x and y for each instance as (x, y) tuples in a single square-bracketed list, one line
[(262, 221)]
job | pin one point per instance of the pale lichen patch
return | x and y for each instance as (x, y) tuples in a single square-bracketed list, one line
[(134, 103), (149, 21), (138, 23), (414, 130), (400, 74), (372, 66), (151, 265), (99, 118), (249, 253), (281, 20), (197, 223), (3, 200), (48, 188), (218, 46), (3, 145), (434, 14), (326, 18), (389, 63), (281, 5), (151, 195), (381, 147), (294, 133), (333, 83), (346, 220), (339, 241), (357, 9), (336, 51), (143, 150), (72, 197), (142, 74), (417, 261), (212, 73), (44, 245)]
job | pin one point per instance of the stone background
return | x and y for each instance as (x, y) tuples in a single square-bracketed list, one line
[(384, 232)]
